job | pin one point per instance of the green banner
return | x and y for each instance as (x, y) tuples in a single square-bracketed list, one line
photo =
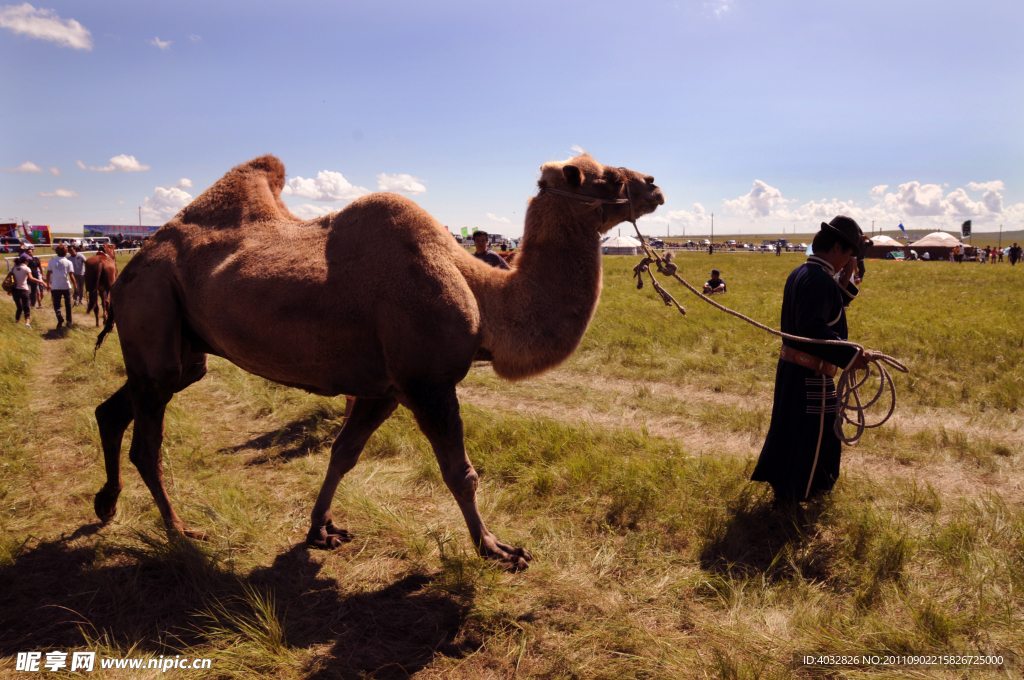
[(465, 232)]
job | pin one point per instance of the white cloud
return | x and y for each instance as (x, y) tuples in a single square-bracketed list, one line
[(917, 200), (997, 185), (308, 211), (960, 204), (879, 191), (122, 163), (993, 201), (718, 7), (44, 24), (59, 193), (194, 38), (27, 167), (495, 218), (55, 171), (680, 218), (328, 186), (119, 201), (406, 184), (183, 183), (758, 202), (162, 44), (164, 204)]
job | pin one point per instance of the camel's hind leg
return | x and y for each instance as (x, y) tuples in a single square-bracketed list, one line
[(113, 417), (364, 417), (437, 412)]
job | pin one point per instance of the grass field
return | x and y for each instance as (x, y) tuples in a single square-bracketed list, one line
[(624, 472)]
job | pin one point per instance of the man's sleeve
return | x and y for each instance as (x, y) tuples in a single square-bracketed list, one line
[(499, 262), (813, 304), (849, 293)]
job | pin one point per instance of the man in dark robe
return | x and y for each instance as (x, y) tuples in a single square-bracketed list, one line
[(800, 456)]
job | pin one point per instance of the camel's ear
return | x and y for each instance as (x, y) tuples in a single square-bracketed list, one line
[(573, 175)]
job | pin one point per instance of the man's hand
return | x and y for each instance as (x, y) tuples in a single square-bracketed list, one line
[(848, 271), (859, 364)]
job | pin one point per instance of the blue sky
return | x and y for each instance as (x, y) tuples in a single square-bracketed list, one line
[(770, 115)]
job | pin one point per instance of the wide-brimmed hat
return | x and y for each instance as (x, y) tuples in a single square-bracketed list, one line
[(846, 228)]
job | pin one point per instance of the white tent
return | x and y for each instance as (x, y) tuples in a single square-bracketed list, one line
[(620, 245), (938, 239), (887, 241)]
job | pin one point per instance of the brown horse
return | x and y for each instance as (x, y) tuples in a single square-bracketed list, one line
[(100, 274)]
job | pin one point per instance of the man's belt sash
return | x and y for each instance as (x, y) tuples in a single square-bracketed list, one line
[(807, 361)]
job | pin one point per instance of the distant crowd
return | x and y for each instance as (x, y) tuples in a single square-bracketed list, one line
[(64, 279)]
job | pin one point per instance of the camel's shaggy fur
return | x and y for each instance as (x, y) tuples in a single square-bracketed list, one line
[(376, 301)]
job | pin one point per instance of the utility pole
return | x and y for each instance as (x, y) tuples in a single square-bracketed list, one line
[(1000, 237)]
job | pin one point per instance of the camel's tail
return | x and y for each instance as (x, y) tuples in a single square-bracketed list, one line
[(108, 326)]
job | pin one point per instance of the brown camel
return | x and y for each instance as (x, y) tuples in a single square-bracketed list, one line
[(100, 273), (376, 301)]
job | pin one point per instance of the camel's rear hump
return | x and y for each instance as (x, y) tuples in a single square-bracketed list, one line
[(248, 193)]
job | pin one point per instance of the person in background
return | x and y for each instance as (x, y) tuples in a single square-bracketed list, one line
[(486, 254), (714, 284), (78, 264), (60, 275), (29, 255), (22, 302), (1015, 253)]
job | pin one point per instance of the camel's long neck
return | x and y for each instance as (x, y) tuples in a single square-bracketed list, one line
[(535, 318)]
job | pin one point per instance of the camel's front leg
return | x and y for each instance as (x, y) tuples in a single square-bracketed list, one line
[(437, 412), (364, 416)]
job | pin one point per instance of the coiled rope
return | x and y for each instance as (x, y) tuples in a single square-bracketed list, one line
[(848, 400)]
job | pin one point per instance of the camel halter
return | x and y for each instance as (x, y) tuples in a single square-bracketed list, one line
[(847, 386)]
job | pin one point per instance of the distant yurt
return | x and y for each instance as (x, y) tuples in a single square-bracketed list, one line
[(938, 238), (881, 246), (886, 241), (620, 245), (939, 244)]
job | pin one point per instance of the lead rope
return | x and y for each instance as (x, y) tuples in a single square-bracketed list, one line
[(847, 387)]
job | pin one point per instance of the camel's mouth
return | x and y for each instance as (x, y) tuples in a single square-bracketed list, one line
[(651, 201)]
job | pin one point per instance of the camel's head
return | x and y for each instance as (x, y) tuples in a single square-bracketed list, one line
[(590, 180)]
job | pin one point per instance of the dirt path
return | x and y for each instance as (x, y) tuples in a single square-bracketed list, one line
[(625, 411)]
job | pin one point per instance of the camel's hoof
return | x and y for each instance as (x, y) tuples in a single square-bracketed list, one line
[(511, 559), (343, 534), (195, 535), (105, 505), (328, 537)]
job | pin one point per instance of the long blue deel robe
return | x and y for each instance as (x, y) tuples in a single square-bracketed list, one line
[(801, 454)]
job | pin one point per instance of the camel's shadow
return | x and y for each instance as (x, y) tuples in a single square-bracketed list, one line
[(298, 438), (164, 596), (759, 539)]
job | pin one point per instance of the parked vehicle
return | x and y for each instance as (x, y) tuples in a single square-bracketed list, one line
[(12, 244)]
